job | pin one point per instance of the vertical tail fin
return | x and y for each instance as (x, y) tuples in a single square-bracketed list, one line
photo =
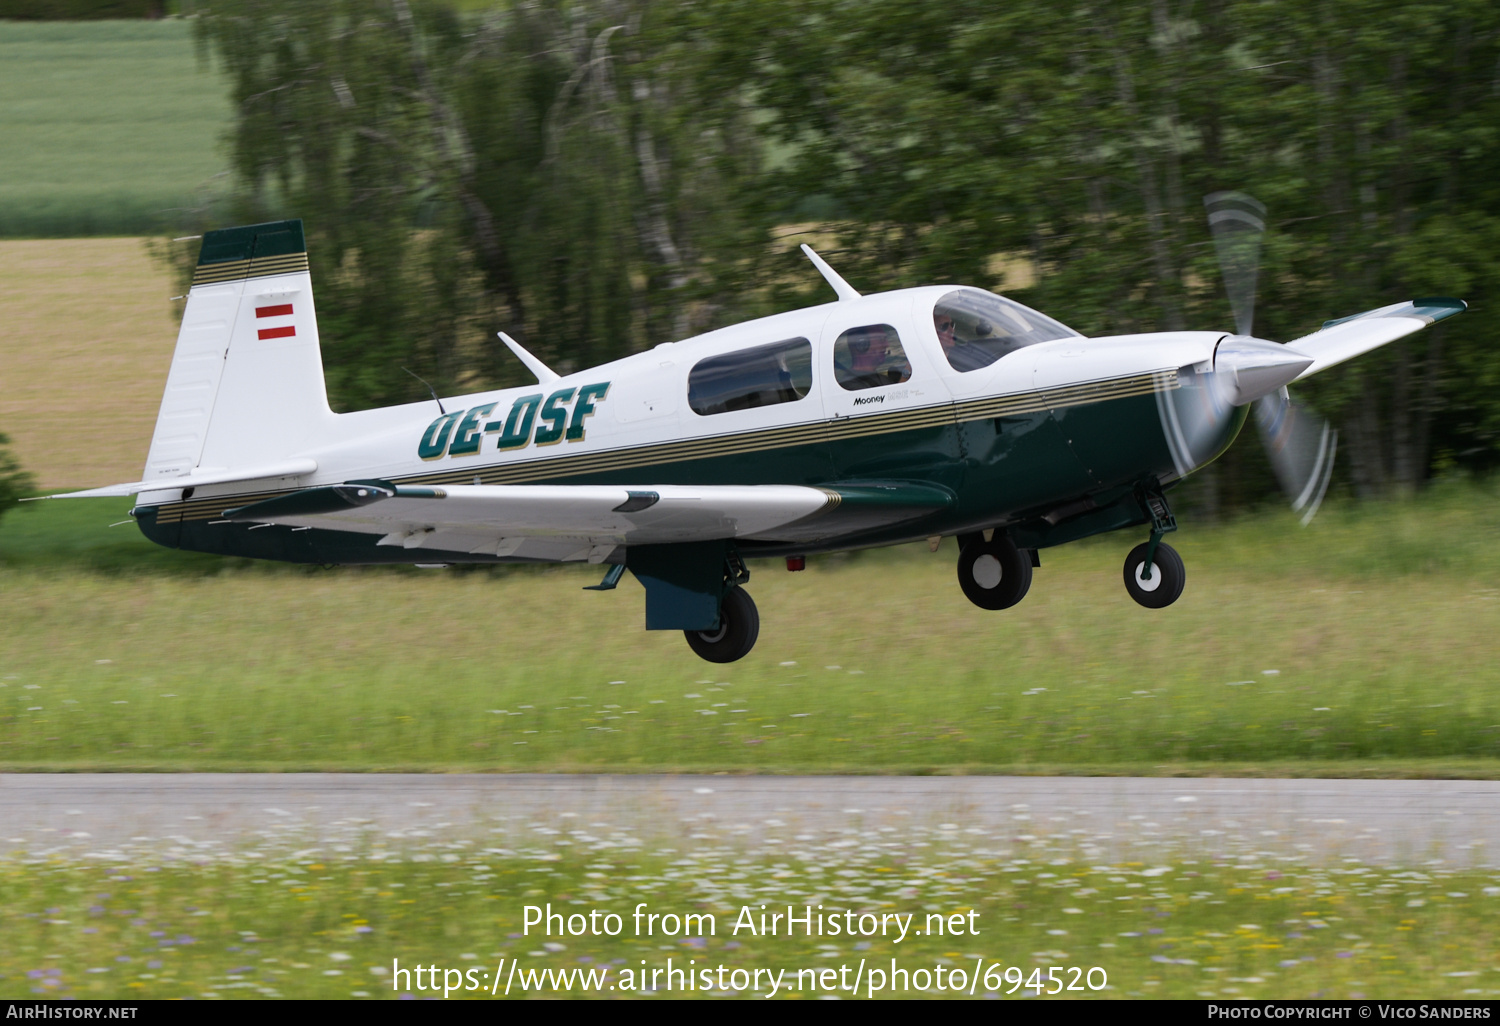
[(246, 385)]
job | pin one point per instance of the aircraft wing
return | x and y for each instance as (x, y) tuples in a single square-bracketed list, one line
[(501, 519), (1348, 337)]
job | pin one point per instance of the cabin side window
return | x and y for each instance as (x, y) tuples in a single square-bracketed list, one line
[(750, 378), (870, 356)]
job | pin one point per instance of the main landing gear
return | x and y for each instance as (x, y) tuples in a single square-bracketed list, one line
[(739, 626), (994, 574), (696, 588)]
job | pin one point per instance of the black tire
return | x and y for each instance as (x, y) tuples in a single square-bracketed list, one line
[(739, 626), (1168, 575), (994, 574)]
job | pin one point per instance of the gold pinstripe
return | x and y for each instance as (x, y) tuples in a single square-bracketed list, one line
[(844, 428), (1069, 395), (234, 270)]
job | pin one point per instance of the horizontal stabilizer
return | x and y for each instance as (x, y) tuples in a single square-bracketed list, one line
[(200, 477), (1348, 337)]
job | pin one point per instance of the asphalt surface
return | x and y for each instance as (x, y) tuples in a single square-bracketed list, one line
[(1407, 821)]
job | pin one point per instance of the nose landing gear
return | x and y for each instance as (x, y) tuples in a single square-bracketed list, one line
[(1154, 574), (993, 574), (1159, 585)]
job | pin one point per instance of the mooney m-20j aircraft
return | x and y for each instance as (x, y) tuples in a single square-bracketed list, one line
[(873, 420)]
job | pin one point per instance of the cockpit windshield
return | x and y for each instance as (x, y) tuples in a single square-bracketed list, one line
[(977, 328)]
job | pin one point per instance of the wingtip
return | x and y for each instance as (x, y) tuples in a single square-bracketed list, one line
[(1437, 308)]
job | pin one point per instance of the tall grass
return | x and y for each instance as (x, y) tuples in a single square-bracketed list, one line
[(1363, 644), (110, 128)]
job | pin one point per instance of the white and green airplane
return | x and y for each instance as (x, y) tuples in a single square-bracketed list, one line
[(873, 420)]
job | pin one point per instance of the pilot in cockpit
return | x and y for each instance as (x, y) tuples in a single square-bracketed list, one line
[(962, 355)]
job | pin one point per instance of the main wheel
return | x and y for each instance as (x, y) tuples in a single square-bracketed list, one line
[(739, 626), (1164, 585), (994, 574)]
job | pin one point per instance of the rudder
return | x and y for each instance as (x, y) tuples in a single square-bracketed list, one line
[(246, 385)]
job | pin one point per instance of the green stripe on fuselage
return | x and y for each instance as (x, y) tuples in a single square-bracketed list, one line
[(1002, 469)]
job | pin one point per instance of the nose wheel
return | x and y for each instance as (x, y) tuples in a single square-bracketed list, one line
[(1159, 585), (739, 626), (993, 574)]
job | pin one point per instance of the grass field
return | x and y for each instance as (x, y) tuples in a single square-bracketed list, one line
[(332, 922), (109, 127), (88, 327), (1363, 645)]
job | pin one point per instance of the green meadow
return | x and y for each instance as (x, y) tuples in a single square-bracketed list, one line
[(110, 127), (1363, 645), (333, 922)]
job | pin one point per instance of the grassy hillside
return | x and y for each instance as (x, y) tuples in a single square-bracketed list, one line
[(108, 127), (1363, 645)]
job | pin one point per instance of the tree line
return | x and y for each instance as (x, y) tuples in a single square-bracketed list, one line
[(599, 176)]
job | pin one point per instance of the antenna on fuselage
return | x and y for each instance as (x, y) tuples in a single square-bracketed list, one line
[(843, 288), (429, 388), (543, 373)]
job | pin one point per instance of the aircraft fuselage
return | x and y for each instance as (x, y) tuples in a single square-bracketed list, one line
[(1053, 440)]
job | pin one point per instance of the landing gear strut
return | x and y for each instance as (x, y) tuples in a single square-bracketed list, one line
[(739, 626), (994, 574), (1154, 574)]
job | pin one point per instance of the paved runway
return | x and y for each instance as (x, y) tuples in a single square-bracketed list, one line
[(1380, 820)]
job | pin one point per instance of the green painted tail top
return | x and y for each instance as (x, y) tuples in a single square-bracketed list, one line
[(274, 238)]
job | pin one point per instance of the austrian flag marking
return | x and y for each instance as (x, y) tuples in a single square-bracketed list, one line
[(283, 310)]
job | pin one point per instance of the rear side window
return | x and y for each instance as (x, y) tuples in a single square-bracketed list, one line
[(870, 356), (748, 378)]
